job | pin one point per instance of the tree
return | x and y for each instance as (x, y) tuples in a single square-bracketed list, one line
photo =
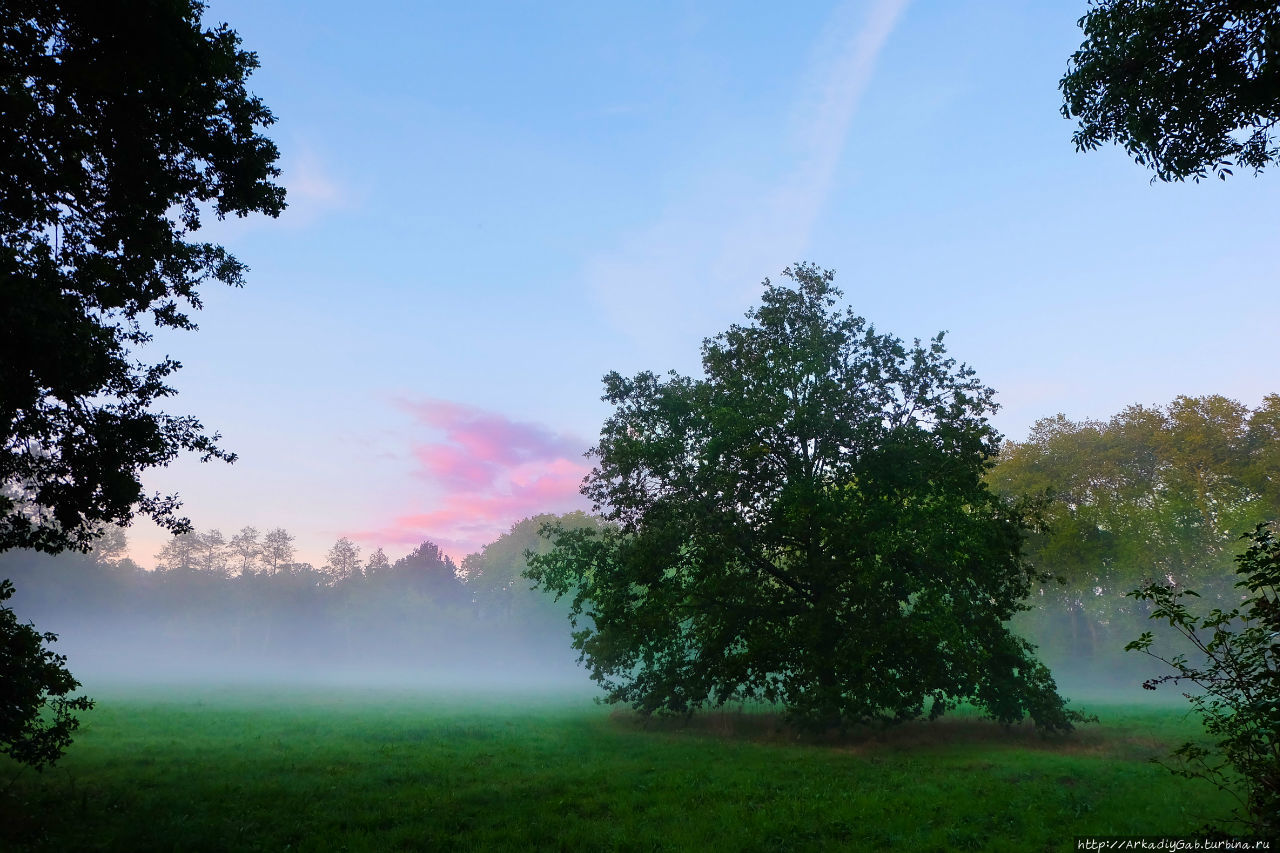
[(277, 549), (1151, 489), (244, 545), (1238, 673), (212, 555), (806, 524), (431, 572), (378, 563), (111, 546), (119, 133), (180, 553), (1263, 473), (494, 575), (344, 560), (1188, 87)]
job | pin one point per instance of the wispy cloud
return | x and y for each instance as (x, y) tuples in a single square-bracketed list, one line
[(313, 190), (713, 247), (488, 472)]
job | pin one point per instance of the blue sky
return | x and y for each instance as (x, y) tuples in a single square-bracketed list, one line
[(493, 204)]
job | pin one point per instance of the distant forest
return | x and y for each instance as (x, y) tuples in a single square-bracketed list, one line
[(243, 608), (1162, 492), (1154, 492)]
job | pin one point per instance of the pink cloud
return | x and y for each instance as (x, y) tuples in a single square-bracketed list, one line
[(453, 467), (493, 472), (490, 436)]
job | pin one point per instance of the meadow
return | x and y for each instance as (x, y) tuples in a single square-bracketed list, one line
[(211, 768)]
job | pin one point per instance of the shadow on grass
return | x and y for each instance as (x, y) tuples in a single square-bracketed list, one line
[(947, 732)]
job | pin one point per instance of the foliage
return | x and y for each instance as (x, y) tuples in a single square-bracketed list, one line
[(495, 574), (1239, 677), (36, 720), (245, 548), (204, 551), (344, 560), (808, 524), (1188, 87), (377, 563), (1154, 490), (119, 132), (277, 549), (432, 572)]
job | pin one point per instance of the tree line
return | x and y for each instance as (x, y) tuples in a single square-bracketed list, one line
[(244, 606), (1154, 493)]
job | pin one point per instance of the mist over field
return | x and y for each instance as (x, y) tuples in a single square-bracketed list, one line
[(1153, 493), (421, 624), (411, 623)]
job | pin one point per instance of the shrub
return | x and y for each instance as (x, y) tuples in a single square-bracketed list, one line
[(36, 720), (1238, 673)]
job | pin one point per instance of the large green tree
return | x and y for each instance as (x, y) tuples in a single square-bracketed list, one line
[(808, 523), (122, 126), (1190, 88)]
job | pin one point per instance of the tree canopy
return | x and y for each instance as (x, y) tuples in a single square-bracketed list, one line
[(119, 133), (1153, 492), (495, 573), (806, 524), (1189, 87)]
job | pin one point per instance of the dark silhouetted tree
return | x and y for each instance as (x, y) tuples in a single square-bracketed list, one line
[(1189, 87), (120, 128), (120, 131), (807, 524), (36, 719)]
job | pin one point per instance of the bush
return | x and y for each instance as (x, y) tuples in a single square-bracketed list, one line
[(1239, 680), (36, 718)]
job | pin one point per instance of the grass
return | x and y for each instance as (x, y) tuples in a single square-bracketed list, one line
[(209, 769)]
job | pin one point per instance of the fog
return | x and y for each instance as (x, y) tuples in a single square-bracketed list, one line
[(412, 628), (413, 625), (1108, 675)]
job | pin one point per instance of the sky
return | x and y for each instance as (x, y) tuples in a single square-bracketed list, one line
[(491, 205)]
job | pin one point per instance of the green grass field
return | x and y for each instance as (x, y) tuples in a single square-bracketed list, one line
[(212, 769)]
